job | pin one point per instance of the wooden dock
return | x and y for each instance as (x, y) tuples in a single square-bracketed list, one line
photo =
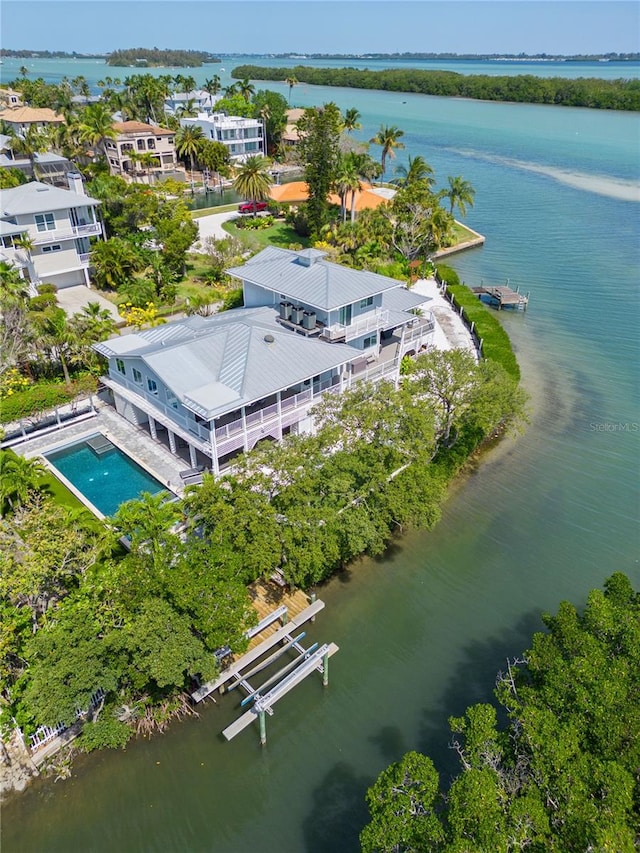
[(233, 672), (502, 296)]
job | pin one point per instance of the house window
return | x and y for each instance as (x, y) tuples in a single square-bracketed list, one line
[(152, 386), (370, 341), (45, 221), (137, 376), (120, 366), (151, 144), (172, 400), (140, 144), (55, 248), (365, 303)]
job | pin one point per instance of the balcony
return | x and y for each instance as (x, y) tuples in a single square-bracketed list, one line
[(68, 233), (370, 322)]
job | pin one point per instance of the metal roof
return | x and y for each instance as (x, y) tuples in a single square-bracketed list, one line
[(403, 299), (232, 359), (306, 277), (36, 197)]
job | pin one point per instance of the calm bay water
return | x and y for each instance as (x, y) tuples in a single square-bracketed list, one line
[(545, 517)]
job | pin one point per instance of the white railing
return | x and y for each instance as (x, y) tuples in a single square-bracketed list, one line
[(84, 257), (370, 322), (44, 734), (67, 233)]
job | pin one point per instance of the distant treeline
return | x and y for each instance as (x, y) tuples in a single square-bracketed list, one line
[(525, 88), (48, 54), (137, 56), (519, 57)]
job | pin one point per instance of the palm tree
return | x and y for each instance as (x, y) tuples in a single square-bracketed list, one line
[(146, 160), (417, 170), (32, 143), (347, 181), (15, 289), (24, 70), (187, 140), (231, 90), (460, 194), (253, 180), (58, 336), (212, 85), (246, 89), (96, 126), (388, 137), (187, 109), (291, 82), (114, 262), (20, 476), (351, 120), (94, 323)]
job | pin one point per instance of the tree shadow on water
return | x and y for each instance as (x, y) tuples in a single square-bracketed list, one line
[(471, 682), (391, 742), (339, 812)]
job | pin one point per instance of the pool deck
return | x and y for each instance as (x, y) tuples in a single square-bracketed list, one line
[(151, 456)]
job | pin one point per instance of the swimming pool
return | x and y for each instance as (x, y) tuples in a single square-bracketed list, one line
[(105, 475)]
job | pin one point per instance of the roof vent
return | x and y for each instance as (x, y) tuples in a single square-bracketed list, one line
[(269, 339)]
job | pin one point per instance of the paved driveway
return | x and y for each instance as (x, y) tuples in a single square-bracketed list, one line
[(211, 226), (72, 299)]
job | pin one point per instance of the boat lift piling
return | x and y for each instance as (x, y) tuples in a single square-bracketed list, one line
[(306, 661)]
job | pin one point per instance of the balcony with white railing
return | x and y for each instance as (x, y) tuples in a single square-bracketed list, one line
[(70, 232), (370, 322), (84, 258)]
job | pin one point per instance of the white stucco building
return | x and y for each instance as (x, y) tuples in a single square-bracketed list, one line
[(243, 137)]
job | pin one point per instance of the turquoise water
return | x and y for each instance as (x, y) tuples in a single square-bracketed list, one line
[(546, 516), (107, 480)]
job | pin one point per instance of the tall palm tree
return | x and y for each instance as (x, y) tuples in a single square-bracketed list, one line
[(246, 89), (460, 194), (96, 126), (388, 137), (58, 336), (15, 289), (351, 120), (253, 180), (417, 170), (188, 109), (291, 82), (187, 141), (212, 85), (347, 181)]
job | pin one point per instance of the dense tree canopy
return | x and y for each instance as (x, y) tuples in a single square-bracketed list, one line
[(561, 775), (525, 88)]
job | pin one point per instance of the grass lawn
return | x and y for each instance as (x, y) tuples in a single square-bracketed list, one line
[(280, 234), (60, 493)]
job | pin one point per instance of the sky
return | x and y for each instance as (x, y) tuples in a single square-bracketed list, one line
[(324, 26)]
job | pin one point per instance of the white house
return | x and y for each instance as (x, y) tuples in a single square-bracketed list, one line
[(202, 101), (243, 137), (58, 224), (210, 388)]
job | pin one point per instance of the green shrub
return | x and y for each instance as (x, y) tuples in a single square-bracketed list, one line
[(107, 732), (496, 345), (47, 287), (233, 299), (42, 302), (43, 396)]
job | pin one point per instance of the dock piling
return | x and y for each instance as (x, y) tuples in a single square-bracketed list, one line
[(325, 669), (263, 728)]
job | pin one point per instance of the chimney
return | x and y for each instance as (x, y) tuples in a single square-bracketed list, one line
[(76, 185)]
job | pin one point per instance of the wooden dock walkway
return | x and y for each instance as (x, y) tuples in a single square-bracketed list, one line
[(503, 296)]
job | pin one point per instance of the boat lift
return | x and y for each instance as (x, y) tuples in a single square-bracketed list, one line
[(314, 658)]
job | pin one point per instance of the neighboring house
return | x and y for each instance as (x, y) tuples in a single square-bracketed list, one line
[(20, 119), (291, 135), (243, 137), (10, 98), (50, 168), (202, 101), (134, 138), (211, 388), (58, 224)]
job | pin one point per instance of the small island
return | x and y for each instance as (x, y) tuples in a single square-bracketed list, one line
[(154, 58)]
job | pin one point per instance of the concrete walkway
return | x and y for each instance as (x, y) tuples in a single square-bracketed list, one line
[(211, 226), (451, 332), (73, 299)]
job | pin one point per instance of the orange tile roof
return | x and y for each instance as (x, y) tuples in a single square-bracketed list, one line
[(29, 115), (138, 127), (297, 191)]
